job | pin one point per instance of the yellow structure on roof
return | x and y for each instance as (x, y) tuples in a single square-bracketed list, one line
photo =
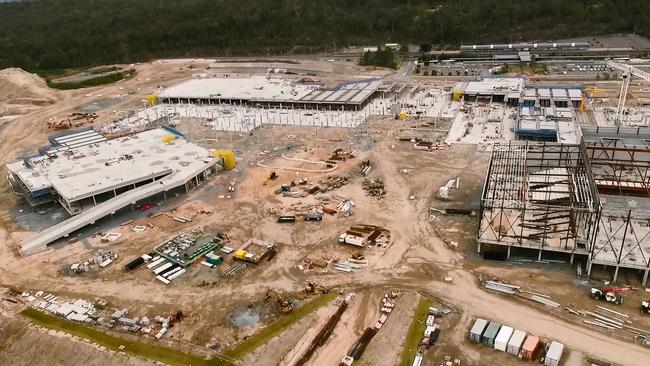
[(228, 156), (168, 138), (152, 99), (457, 95), (402, 115)]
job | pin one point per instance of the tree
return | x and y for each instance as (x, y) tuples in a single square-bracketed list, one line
[(425, 48)]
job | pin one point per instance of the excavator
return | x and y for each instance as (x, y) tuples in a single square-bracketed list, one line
[(313, 287), (283, 305), (609, 294)]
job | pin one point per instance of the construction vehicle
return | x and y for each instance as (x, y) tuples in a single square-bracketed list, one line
[(272, 176), (313, 287), (609, 294), (283, 305), (645, 306)]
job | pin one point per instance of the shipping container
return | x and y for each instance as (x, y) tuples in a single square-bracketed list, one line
[(554, 354), (490, 334), (516, 341), (502, 339), (134, 264), (531, 347), (477, 330), (160, 269)]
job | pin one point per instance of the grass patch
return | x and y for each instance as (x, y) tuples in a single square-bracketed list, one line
[(278, 326), (139, 349), (97, 81), (416, 331), (167, 355)]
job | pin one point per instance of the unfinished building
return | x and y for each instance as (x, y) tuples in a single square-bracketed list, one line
[(93, 177), (620, 161), (270, 92), (538, 196)]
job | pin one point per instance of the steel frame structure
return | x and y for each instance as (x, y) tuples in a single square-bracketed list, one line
[(539, 196)]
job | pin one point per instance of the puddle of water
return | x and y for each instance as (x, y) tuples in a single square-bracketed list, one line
[(245, 318)]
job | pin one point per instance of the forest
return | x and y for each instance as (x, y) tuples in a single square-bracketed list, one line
[(41, 35)]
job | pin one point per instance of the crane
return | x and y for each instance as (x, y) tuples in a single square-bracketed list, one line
[(609, 294), (628, 71)]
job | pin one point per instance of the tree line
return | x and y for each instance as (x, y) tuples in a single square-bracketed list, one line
[(58, 34)]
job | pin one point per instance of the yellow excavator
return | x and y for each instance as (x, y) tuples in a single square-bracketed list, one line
[(283, 305)]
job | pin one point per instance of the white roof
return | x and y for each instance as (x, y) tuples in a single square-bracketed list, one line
[(89, 170), (479, 326), (504, 334), (555, 351), (517, 339), (245, 87)]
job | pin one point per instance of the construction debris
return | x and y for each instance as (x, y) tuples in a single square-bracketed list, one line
[(444, 191), (374, 187)]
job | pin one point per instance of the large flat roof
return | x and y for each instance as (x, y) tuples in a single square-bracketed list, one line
[(262, 89), (92, 169), (244, 87)]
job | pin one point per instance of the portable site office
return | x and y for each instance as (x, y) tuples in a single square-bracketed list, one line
[(477, 330), (490, 334), (516, 341), (502, 339), (554, 354)]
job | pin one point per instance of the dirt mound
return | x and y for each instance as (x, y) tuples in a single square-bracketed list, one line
[(19, 84), (22, 92)]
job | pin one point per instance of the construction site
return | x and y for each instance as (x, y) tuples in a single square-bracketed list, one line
[(316, 212)]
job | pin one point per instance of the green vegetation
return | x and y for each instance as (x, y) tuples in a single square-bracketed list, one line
[(382, 57), (168, 355), (139, 349), (93, 81), (270, 331), (414, 335), (62, 34)]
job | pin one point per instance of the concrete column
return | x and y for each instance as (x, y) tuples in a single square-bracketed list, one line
[(478, 250), (645, 277), (571, 260), (616, 273), (197, 180), (187, 190), (589, 264), (115, 193), (539, 255), (508, 257), (94, 201)]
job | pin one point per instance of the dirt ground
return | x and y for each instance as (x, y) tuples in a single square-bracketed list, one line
[(210, 300)]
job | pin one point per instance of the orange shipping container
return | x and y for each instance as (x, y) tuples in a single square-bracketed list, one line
[(531, 348)]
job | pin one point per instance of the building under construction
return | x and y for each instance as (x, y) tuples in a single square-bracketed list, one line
[(620, 161), (590, 199)]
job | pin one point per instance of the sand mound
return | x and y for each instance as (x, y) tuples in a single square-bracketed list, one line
[(19, 85)]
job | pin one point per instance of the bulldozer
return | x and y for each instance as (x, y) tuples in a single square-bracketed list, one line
[(283, 305), (609, 294)]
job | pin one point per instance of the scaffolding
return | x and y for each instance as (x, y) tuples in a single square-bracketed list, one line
[(538, 196)]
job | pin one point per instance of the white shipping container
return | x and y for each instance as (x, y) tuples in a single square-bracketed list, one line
[(516, 341), (157, 262), (160, 269), (177, 274), (554, 354), (503, 337), (429, 330), (477, 330), (430, 320)]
